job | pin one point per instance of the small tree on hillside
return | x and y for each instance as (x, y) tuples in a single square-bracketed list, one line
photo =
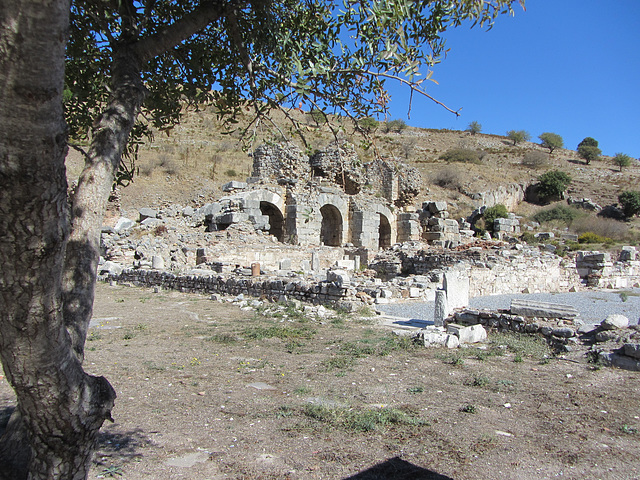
[(491, 213), (630, 203), (474, 127), (551, 141), (588, 150), (622, 160), (518, 136), (553, 183)]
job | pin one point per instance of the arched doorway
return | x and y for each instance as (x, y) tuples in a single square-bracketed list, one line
[(331, 229), (276, 220), (384, 232)]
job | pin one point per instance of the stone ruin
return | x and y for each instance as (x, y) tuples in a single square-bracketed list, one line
[(329, 198)]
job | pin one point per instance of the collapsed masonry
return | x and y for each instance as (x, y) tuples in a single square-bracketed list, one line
[(331, 198)]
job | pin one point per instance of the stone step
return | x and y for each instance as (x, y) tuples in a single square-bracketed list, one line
[(531, 308)]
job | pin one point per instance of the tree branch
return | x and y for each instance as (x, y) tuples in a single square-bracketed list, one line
[(150, 47)]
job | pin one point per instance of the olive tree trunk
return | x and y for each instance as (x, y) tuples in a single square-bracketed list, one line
[(60, 407)]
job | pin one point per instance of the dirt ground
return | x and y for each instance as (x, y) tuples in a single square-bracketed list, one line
[(209, 391)]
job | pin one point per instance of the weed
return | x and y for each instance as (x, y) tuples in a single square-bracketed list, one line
[(518, 358), (304, 390), (478, 381), (141, 327), (415, 389), (284, 411), (94, 336), (469, 408), (128, 336), (624, 296), (112, 472), (194, 362), (628, 429)]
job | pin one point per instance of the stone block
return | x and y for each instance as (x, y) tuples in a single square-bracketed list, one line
[(530, 308), (628, 254), (441, 310), (233, 185), (123, 224), (147, 213), (615, 321), (456, 284), (339, 277), (471, 334)]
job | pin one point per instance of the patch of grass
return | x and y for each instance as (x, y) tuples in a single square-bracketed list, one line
[(284, 332), (94, 336), (361, 420), (561, 213), (523, 345), (415, 389), (224, 338), (284, 411), (339, 362), (304, 390), (379, 346)]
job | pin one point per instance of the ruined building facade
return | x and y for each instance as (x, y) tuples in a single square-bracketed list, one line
[(328, 198)]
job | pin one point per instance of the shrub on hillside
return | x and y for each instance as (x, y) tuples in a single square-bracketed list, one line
[(630, 203), (449, 178), (562, 213), (553, 184), (464, 155), (590, 237), (605, 227), (535, 159), (368, 124), (396, 126), (491, 213)]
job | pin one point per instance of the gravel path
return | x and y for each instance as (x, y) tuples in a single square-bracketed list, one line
[(594, 306)]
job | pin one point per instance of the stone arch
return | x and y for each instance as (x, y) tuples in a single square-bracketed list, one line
[(384, 232), (276, 219), (331, 228)]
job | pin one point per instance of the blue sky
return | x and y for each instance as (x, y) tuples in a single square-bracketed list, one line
[(570, 67)]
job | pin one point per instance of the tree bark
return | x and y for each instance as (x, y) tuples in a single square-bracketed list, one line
[(60, 406)]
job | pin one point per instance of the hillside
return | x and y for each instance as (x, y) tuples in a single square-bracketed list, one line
[(188, 165)]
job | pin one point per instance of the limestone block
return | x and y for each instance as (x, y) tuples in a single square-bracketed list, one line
[(346, 264), (615, 321), (628, 254), (147, 213), (150, 222), (339, 277), (233, 185), (414, 292), (123, 224), (529, 308), (456, 284), (471, 334), (157, 262)]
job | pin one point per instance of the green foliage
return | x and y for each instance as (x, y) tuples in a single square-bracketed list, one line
[(469, 408), (630, 203), (518, 136), (622, 160), (590, 237), (464, 155), (396, 126), (318, 116), (491, 213), (475, 127), (368, 124), (529, 238), (588, 150), (562, 213), (553, 183), (551, 141)]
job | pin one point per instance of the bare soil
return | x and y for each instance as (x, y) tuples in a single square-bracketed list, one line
[(209, 391)]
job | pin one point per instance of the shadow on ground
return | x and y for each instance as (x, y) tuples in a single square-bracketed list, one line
[(397, 469)]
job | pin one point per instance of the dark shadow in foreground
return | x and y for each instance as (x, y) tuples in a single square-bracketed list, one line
[(397, 469)]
